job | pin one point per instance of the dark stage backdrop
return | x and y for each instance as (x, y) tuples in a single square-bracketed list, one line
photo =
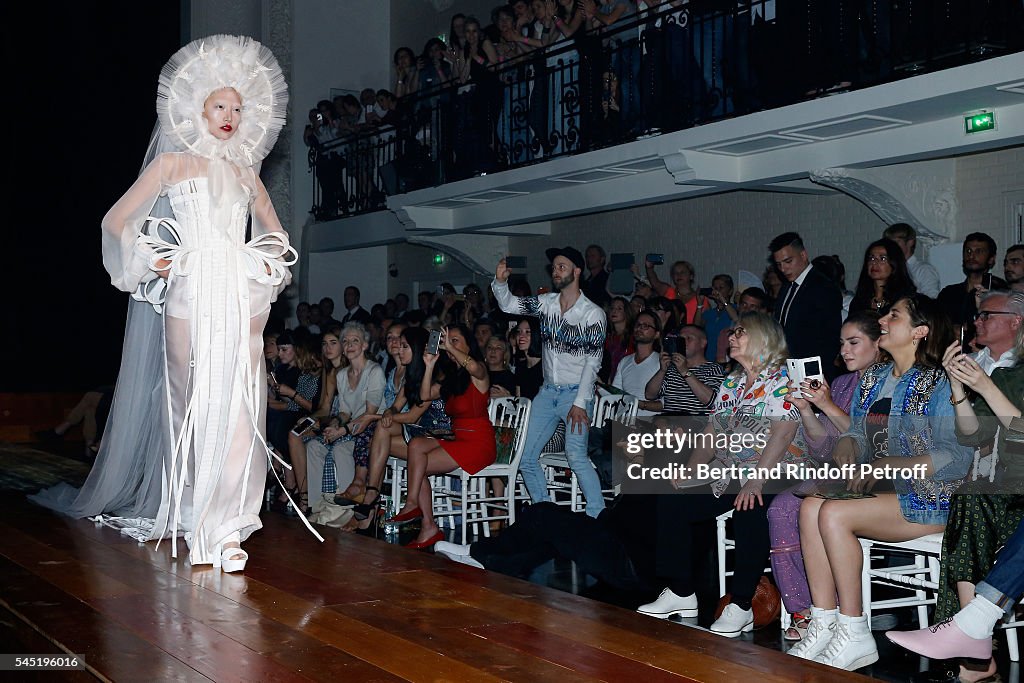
[(79, 113)]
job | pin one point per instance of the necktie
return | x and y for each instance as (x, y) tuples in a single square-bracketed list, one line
[(788, 303)]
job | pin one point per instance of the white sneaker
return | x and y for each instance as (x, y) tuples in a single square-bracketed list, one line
[(852, 645), (734, 620), (819, 633), (668, 603), (456, 552)]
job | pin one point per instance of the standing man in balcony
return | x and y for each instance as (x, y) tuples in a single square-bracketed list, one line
[(572, 330), (810, 305)]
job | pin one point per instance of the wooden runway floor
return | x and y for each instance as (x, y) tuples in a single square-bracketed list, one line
[(350, 609)]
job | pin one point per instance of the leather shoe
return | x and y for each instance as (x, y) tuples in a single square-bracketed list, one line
[(668, 603), (942, 641), (405, 517), (734, 620), (420, 545)]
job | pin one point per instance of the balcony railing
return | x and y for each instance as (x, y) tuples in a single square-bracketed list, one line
[(659, 71)]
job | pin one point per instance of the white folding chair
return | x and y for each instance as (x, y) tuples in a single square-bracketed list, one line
[(621, 408), (918, 577), (726, 544), (476, 506)]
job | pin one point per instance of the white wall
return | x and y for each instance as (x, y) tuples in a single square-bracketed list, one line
[(330, 272), (718, 234), (417, 272), (982, 183)]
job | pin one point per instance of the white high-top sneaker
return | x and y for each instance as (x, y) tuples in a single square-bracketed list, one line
[(819, 633), (852, 645)]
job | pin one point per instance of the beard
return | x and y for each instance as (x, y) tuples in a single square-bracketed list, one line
[(559, 284)]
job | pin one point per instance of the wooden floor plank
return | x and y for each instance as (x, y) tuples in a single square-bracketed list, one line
[(113, 651), (351, 608)]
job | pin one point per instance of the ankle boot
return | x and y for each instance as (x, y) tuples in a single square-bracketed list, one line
[(852, 645)]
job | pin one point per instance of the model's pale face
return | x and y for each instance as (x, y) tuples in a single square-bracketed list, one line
[(223, 113)]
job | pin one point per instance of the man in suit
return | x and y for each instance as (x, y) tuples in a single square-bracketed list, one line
[(354, 312), (809, 307)]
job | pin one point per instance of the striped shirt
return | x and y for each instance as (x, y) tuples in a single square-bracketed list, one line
[(676, 394)]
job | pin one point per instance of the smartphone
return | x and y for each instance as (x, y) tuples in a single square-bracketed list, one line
[(303, 426), (801, 369), (434, 342), (656, 259), (706, 291), (670, 344), (515, 262)]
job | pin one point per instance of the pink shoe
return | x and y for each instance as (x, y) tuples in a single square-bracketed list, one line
[(945, 640)]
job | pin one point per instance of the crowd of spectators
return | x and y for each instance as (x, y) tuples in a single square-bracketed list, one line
[(539, 78), (890, 355)]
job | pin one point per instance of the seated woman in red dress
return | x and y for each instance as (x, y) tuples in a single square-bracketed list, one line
[(465, 389)]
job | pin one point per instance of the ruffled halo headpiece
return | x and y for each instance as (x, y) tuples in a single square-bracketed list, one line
[(212, 63)]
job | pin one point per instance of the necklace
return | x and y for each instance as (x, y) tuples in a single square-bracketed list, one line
[(879, 304)]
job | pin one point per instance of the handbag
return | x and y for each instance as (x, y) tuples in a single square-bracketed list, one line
[(767, 603)]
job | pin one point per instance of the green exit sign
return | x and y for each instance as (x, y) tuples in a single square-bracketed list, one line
[(976, 123)]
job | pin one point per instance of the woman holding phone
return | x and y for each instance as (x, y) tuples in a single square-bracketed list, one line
[(466, 390)]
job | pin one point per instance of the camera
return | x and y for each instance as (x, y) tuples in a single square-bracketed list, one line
[(804, 368)]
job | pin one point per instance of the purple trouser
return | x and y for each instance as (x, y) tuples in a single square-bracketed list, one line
[(787, 558)]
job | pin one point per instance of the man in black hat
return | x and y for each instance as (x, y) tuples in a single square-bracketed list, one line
[(572, 332)]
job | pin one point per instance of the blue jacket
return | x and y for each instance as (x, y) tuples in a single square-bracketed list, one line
[(921, 422)]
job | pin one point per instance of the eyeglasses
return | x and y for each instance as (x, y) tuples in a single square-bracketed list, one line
[(985, 315), (640, 326), (738, 331), (876, 259)]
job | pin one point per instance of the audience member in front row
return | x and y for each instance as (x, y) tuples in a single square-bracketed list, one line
[(409, 415), (983, 517), (968, 633), (573, 332), (883, 279), (958, 300), (922, 273), (685, 383), (325, 435), (859, 351), (757, 388), (360, 395), (465, 388), (997, 325), (527, 350), (809, 306), (1013, 267), (985, 512), (354, 313), (910, 396)]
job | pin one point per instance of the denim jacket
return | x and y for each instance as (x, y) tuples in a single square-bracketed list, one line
[(921, 421)]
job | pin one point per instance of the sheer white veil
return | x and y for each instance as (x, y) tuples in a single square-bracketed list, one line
[(127, 478)]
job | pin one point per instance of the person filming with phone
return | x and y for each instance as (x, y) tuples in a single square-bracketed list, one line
[(572, 330), (686, 382)]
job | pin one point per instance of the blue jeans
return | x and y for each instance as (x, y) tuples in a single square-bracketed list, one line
[(552, 404), (1005, 583)]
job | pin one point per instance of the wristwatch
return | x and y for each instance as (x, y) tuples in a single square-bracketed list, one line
[(686, 374)]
